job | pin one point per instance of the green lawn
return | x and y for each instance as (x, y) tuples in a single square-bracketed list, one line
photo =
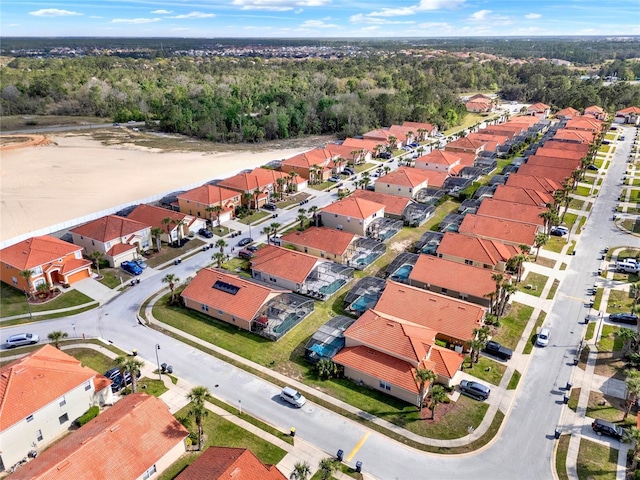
[(569, 220), (13, 302), (91, 358), (152, 386), (561, 457), (220, 231), (515, 379), (619, 301), (576, 204), (487, 370), (633, 195), (609, 342), (597, 300), (533, 284), (591, 329), (513, 325), (554, 288), (534, 333), (596, 461), (254, 217), (110, 277), (222, 433), (555, 244), (583, 191)]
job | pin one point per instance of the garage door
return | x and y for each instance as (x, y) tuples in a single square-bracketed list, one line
[(78, 276)]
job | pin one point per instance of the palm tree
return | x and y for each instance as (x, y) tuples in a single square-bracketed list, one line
[(246, 199), (180, 226), (97, 255), (628, 337), (171, 279), (632, 382), (132, 365), (424, 377), (301, 217), (301, 471), (327, 467), (266, 231), (27, 275), (120, 362), (540, 240), (281, 182), (313, 211), (217, 210), (476, 347), (156, 233), (56, 336), (438, 396), (632, 435), (219, 257), (366, 178), (274, 226), (221, 244), (256, 194), (197, 396)]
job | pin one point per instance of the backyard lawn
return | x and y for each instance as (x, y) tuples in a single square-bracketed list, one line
[(13, 301)]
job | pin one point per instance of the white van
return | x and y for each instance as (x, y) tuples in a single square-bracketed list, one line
[(293, 397), (627, 266)]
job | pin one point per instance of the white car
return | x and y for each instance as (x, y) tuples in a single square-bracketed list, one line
[(543, 338), (21, 339)]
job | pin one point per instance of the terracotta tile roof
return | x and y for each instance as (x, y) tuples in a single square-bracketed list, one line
[(354, 208), (119, 248), (550, 151), (574, 136), (445, 315), (324, 239), (209, 195), (440, 157), (518, 212), (481, 250), (538, 107), (340, 151), (37, 251), (453, 275), (568, 112), (533, 182), (509, 231), (594, 108), (507, 131), (39, 378), (379, 365), (358, 143), (558, 175), (447, 362), (74, 264), (153, 216), (411, 177), (136, 432), (284, 263), (477, 105), (584, 123), (464, 143), (484, 137), (317, 156), (258, 178), (224, 463), (566, 146), (522, 195), (480, 96), (629, 111), (383, 135), (109, 228), (393, 204), (244, 304), (555, 162), (268, 176), (520, 120), (418, 125)]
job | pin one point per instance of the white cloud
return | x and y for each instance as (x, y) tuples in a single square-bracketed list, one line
[(195, 15), (361, 18), (423, 6), (485, 16), (136, 21), (532, 16), (53, 12), (318, 24), (481, 15), (279, 5), (162, 12)]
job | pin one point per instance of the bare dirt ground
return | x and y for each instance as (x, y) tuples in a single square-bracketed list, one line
[(46, 180)]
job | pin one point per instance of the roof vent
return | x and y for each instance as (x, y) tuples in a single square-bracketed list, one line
[(115, 427), (236, 471)]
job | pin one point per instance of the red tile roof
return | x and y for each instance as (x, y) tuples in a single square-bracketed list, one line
[(568, 112), (317, 156), (584, 123), (533, 182), (520, 120), (354, 208), (153, 216), (284, 263), (558, 175), (224, 463), (464, 143), (119, 248), (538, 107), (522, 195), (258, 179), (413, 177), (383, 135), (361, 143), (418, 125), (508, 231), (512, 211), (324, 239), (440, 157), (39, 378), (481, 250), (37, 251), (452, 275), (594, 108), (555, 162), (109, 228), (629, 111), (567, 146), (393, 204), (136, 432), (447, 362), (209, 195), (445, 315), (244, 304), (574, 136)]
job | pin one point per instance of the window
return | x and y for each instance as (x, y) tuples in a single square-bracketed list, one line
[(444, 291), (464, 296), (468, 262), (410, 190), (63, 419), (149, 472), (335, 215), (205, 308), (29, 418), (92, 242), (107, 246), (87, 386), (14, 280), (39, 435), (81, 237), (219, 312), (384, 385), (63, 402), (306, 250)]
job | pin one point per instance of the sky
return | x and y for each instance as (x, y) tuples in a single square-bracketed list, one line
[(318, 18)]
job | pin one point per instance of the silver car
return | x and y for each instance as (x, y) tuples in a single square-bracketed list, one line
[(21, 339)]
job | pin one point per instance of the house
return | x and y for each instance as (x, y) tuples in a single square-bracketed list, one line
[(351, 214), (394, 205), (210, 201), (177, 225), (406, 181), (586, 124), (557, 174), (361, 146), (551, 151), (491, 142), (334, 245), (596, 111), (567, 113), (522, 195), (574, 136), (342, 153), (50, 260), (539, 110), (119, 239), (384, 353), (232, 299), (504, 230), (565, 146), (453, 279), (453, 320), (517, 212), (41, 394), (224, 463), (298, 271), (465, 145), (532, 182), (422, 130), (628, 115), (258, 185), (449, 162), (384, 136), (137, 438), (563, 162), (479, 106), (480, 252), (315, 165)]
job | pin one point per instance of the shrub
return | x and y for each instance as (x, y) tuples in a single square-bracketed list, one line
[(88, 416)]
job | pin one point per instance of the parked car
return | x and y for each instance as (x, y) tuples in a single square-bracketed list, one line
[(252, 248), (474, 389), (21, 339), (245, 241), (293, 397), (349, 170), (559, 231), (591, 166), (497, 350), (141, 263), (117, 381), (272, 207), (131, 268), (628, 318), (386, 155), (205, 233), (602, 427), (334, 178), (542, 339), (414, 144)]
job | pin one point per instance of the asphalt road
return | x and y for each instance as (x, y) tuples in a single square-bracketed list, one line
[(524, 447)]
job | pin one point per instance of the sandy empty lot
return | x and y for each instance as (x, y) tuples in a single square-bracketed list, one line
[(72, 175)]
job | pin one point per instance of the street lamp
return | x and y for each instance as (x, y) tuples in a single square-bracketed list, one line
[(73, 325), (158, 361)]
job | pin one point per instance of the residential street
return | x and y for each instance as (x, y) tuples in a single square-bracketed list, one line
[(523, 448)]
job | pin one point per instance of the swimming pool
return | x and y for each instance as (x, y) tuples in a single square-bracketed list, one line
[(288, 323), (402, 273), (333, 287), (366, 260), (362, 303)]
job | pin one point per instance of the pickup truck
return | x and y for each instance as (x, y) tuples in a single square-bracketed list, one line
[(497, 350)]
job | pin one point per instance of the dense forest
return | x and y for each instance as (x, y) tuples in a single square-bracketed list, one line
[(254, 99)]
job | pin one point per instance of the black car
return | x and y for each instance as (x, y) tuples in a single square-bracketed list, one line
[(245, 241), (205, 233), (628, 318), (602, 427), (386, 155), (270, 206), (592, 167), (252, 248)]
